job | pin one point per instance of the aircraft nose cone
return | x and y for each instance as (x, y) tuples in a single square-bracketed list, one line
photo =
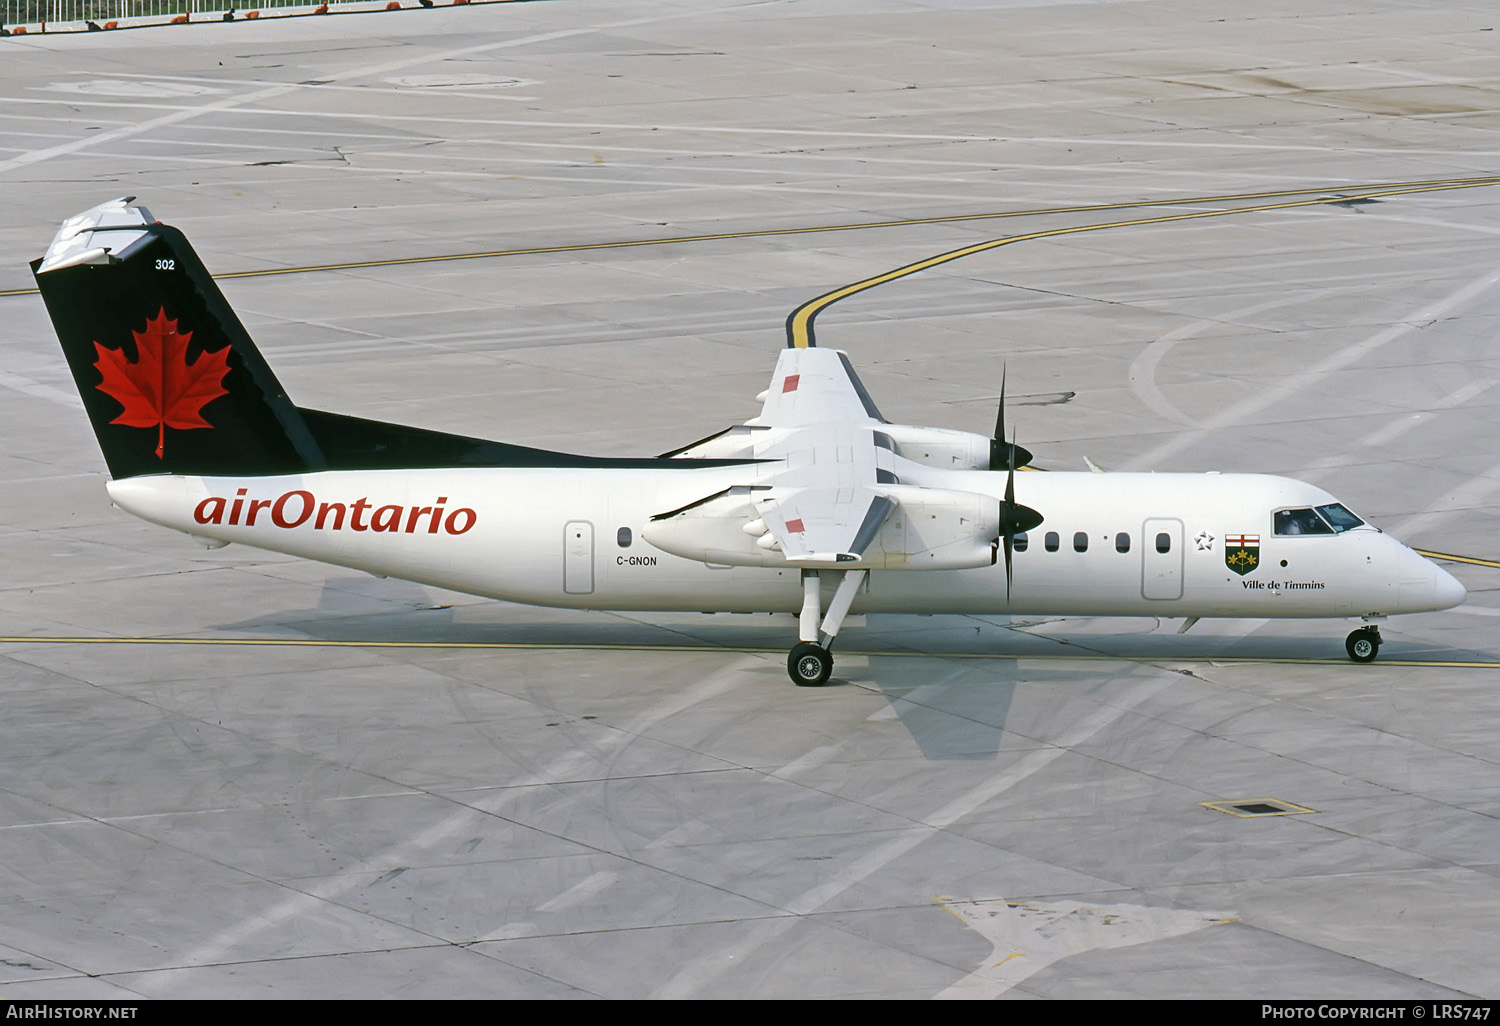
[(1448, 591), (1426, 587)]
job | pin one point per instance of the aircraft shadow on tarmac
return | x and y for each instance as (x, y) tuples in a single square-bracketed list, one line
[(358, 608), (953, 694)]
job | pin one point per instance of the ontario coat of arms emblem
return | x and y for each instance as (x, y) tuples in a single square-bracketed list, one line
[(1242, 552)]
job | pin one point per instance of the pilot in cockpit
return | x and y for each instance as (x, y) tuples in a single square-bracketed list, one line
[(1331, 519)]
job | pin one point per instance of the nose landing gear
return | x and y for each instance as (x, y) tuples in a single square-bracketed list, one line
[(1363, 645)]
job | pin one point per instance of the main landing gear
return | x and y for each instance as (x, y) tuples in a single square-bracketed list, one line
[(809, 664), (1363, 645), (811, 660)]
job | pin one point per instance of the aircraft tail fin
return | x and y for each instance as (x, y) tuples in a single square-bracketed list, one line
[(170, 379)]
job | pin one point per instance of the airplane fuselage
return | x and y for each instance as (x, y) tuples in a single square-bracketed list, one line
[(1172, 545), (817, 506)]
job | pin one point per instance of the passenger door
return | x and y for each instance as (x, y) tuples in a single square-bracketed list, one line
[(1161, 558), (578, 557)]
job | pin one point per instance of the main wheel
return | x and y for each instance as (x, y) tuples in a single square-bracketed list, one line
[(1362, 645), (809, 665)]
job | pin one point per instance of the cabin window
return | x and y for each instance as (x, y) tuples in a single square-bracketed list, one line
[(1164, 542), (1299, 521), (1051, 541), (1019, 542), (1081, 542), (1122, 542), (622, 537), (1338, 516)]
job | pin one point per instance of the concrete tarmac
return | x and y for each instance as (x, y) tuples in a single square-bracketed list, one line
[(400, 792)]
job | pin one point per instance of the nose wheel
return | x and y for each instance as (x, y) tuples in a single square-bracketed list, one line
[(1363, 645)]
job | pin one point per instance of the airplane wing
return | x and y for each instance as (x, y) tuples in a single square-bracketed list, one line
[(821, 487), (823, 525), (824, 506), (816, 386)]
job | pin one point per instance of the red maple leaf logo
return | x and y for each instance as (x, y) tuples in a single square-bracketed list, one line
[(161, 389)]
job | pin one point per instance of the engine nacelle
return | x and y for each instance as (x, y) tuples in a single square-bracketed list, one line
[(938, 447), (936, 529)]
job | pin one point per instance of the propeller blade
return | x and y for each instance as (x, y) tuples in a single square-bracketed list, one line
[(1014, 519), (1009, 568), (1005, 455), (1000, 414)]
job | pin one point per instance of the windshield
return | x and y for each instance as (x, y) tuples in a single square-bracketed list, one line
[(1334, 518), (1339, 517), (1299, 521)]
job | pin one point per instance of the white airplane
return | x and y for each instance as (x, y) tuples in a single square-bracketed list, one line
[(818, 506)]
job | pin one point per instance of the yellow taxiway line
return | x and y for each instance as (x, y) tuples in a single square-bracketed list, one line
[(799, 324), (583, 647), (1452, 558), (585, 247)]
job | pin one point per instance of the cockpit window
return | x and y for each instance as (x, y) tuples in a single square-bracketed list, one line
[(1300, 521), (1339, 517)]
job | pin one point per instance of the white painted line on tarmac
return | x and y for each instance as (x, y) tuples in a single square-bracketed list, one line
[(1399, 425), (703, 971), (37, 390), (1473, 610), (463, 822), (241, 104), (1142, 373), (1473, 494), (1268, 394), (582, 891), (1029, 936)]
